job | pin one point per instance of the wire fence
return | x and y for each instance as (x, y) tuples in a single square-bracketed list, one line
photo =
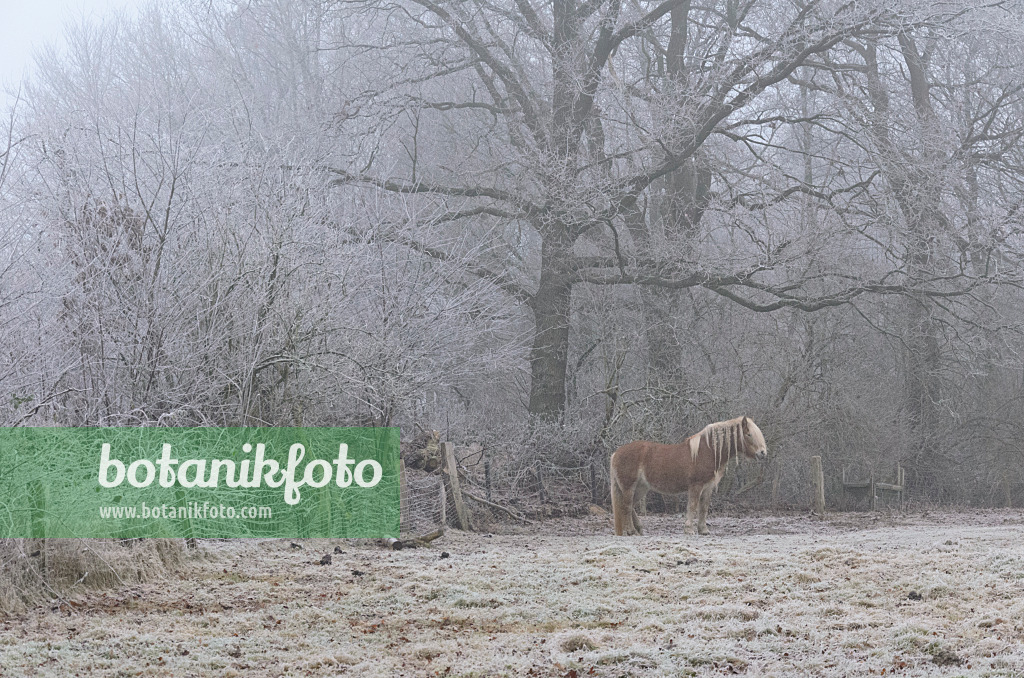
[(424, 505)]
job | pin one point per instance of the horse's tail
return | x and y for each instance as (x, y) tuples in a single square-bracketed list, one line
[(620, 511)]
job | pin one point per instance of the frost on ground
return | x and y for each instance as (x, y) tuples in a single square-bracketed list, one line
[(856, 595)]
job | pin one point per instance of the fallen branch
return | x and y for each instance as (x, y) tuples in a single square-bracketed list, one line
[(498, 507), (413, 542), (425, 539)]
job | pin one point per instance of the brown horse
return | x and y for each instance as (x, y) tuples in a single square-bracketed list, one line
[(694, 466)]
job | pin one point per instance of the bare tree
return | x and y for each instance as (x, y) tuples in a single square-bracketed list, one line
[(573, 131), (612, 220)]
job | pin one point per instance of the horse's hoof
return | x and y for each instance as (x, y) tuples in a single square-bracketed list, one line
[(704, 531), (689, 530)]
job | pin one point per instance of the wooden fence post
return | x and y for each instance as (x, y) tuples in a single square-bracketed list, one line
[(182, 503), (444, 506), (487, 475), (451, 470), (37, 509), (818, 486), (37, 521), (403, 498), (776, 479)]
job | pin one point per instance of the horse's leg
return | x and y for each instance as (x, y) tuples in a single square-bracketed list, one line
[(620, 509), (692, 500), (705, 502), (617, 515), (628, 512), (641, 500)]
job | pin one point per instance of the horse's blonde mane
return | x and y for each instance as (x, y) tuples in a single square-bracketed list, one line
[(723, 438)]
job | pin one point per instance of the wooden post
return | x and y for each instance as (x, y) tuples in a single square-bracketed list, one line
[(37, 522), (444, 506), (452, 471), (487, 476), (403, 498), (37, 509), (818, 486), (190, 537)]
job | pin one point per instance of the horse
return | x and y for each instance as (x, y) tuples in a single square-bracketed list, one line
[(694, 466)]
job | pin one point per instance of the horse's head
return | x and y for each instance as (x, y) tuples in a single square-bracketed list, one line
[(754, 446)]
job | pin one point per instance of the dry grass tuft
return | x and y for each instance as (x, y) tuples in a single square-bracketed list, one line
[(33, 571), (577, 643)]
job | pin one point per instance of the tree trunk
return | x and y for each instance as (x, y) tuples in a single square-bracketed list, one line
[(678, 211), (922, 207), (550, 353), (915, 185)]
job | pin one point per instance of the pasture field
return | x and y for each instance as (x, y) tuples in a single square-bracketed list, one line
[(938, 594)]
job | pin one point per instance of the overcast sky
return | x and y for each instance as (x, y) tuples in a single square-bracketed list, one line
[(29, 24)]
